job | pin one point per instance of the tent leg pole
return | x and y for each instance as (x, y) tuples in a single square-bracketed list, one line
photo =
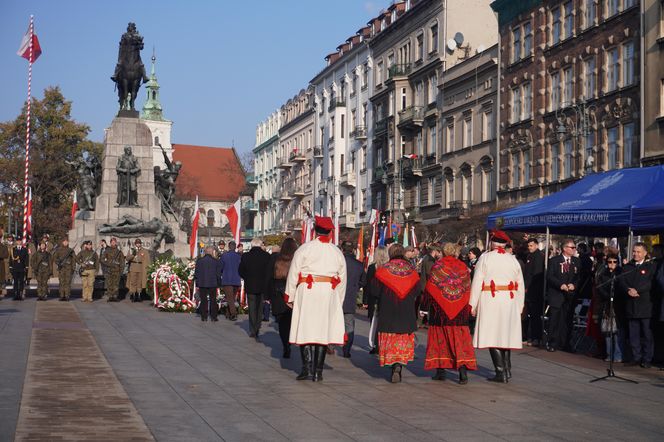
[(545, 334), (630, 244)]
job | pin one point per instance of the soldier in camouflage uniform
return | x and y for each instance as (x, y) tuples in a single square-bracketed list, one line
[(113, 261), (64, 262), (42, 267), (89, 262)]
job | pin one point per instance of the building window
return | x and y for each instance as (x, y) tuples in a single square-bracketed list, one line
[(590, 13), (449, 135), (420, 47), (628, 4), (331, 165), (516, 170), (628, 65), (526, 167), (433, 88), (661, 19), (527, 100), (569, 19), (612, 7), (433, 43), (210, 218), (612, 147), (589, 145), (467, 132), (527, 39), (516, 104), (365, 75), (433, 140), (343, 125), (516, 44), (628, 145), (466, 184), (567, 160), (555, 91), (612, 69), (431, 189), (449, 186), (379, 72), (486, 177), (568, 75), (332, 128), (661, 97), (487, 125), (556, 26), (555, 162), (589, 78)]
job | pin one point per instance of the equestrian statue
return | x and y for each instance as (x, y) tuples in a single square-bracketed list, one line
[(129, 71)]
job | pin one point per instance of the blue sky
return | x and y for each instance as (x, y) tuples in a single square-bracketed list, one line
[(222, 65)]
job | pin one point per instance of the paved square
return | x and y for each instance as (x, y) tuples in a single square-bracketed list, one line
[(198, 381)]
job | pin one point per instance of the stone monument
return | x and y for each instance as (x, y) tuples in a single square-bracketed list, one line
[(127, 204)]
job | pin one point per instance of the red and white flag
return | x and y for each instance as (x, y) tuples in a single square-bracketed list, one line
[(193, 239), (30, 38), (234, 219), (29, 213), (74, 208)]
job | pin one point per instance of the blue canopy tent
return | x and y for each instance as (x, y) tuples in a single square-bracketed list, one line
[(612, 203)]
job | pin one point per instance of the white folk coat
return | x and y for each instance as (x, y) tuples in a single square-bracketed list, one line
[(317, 311), (498, 313)]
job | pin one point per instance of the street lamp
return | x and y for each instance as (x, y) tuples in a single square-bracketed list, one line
[(580, 126)]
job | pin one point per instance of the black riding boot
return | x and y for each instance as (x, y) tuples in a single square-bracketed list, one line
[(319, 361), (305, 353), (507, 357), (499, 364), (440, 375), (463, 375)]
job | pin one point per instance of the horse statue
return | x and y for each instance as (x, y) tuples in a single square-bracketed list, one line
[(129, 71)]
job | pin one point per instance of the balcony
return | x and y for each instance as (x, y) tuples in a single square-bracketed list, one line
[(411, 117), (250, 206), (318, 152), (360, 133), (411, 167), (297, 157), (380, 128), (285, 196), (336, 103), (283, 163), (348, 179), (348, 220), (429, 160), (399, 70), (378, 174), (457, 209), (297, 190)]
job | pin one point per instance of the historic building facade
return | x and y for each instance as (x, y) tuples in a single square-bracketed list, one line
[(267, 174), (569, 92), (653, 82), (343, 114)]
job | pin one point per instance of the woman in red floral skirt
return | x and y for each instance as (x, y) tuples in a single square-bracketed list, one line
[(397, 287), (447, 294)]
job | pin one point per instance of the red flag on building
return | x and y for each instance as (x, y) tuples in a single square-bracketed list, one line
[(74, 208), (29, 213), (193, 239), (234, 219), (24, 49)]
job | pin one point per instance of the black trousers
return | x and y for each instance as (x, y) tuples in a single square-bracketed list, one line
[(284, 324), (209, 296), (560, 323), (255, 305), (19, 284), (534, 320), (641, 340)]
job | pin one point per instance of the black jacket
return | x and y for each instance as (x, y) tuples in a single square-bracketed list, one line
[(533, 275), (275, 288), (555, 277), (208, 272), (396, 315), (368, 295), (641, 279), (356, 278), (19, 260), (253, 266)]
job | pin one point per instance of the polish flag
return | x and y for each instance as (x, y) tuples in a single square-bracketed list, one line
[(24, 49), (193, 239), (74, 208), (234, 215), (412, 156), (29, 213), (360, 245)]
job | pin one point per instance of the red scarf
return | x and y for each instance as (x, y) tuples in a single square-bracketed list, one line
[(449, 285), (399, 276)]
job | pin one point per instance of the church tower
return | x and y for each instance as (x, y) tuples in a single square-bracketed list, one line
[(153, 116)]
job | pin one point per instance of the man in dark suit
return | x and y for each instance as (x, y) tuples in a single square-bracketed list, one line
[(563, 280), (253, 266), (636, 282), (230, 278), (208, 278), (533, 277), (356, 278), (18, 266)]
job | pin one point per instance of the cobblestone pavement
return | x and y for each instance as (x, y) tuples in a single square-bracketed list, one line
[(198, 381)]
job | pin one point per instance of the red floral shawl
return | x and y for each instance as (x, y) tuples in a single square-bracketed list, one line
[(399, 276), (449, 285)]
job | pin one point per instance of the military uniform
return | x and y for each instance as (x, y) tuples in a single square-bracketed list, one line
[(4, 260), (113, 261), (89, 263), (18, 265), (64, 263), (42, 268), (139, 261)]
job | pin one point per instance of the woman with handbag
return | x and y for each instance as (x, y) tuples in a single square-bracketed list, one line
[(611, 320)]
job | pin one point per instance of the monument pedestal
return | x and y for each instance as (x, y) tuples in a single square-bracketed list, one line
[(126, 132)]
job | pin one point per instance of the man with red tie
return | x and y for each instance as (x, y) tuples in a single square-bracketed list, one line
[(315, 290), (562, 278)]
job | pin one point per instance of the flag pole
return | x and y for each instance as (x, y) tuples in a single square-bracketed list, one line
[(27, 138)]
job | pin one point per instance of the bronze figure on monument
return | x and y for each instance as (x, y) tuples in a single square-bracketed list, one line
[(128, 171)]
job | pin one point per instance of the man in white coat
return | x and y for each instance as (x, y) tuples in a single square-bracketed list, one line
[(496, 299), (315, 289)]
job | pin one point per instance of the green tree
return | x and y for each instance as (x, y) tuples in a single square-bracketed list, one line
[(55, 139)]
